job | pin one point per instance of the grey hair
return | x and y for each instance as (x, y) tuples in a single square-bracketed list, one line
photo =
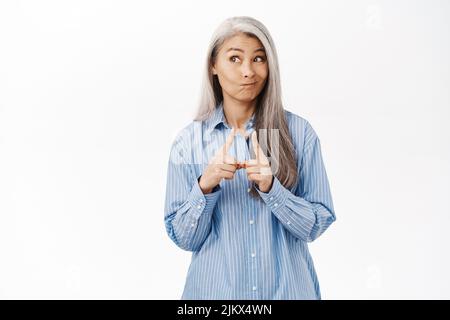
[(269, 113)]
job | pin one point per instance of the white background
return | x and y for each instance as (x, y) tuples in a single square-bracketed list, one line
[(92, 94)]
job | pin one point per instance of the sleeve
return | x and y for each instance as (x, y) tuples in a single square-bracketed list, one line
[(187, 211), (309, 211)]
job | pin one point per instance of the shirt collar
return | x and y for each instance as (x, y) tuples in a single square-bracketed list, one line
[(218, 118)]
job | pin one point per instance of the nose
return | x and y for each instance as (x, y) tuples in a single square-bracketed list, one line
[(247, 70)]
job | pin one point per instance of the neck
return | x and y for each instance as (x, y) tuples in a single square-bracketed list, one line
[(237, 112)]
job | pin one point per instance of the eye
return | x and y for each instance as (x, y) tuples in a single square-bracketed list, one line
[(232, 58), (262, 59)]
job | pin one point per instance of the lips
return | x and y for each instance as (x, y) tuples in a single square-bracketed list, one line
[(248, 84)]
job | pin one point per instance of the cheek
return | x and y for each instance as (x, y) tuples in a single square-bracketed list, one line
[(263, 75), (263, 72), (228, 77)]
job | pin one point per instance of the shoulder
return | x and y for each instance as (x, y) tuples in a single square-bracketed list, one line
[(302, 132), (186, 130), (186, 137)]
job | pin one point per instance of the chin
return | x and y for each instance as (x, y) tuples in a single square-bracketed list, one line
[(246, 99), (248, 96)]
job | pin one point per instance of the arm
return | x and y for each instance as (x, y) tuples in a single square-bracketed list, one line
[(187, 211), (308, 212)]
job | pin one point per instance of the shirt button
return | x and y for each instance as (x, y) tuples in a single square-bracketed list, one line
[(254, 288), (288, 222), (192, 224), (251, 221), (248, 190), (253, 255), (276, 204), (271, 198), (201, 200), (199, 206)]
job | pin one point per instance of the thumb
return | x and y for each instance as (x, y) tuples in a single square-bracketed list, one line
[(223, 150)]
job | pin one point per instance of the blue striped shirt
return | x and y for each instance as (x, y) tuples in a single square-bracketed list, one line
[(245, 247)]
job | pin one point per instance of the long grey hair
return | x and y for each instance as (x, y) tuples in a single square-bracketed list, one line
[(269, 113)]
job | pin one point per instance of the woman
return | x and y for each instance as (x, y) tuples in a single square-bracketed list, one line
[(246, 185)]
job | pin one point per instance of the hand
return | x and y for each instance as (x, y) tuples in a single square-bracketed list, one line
[(221, 166), (259, 170)]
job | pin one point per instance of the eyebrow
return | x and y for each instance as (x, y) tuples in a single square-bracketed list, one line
[(238, 49)]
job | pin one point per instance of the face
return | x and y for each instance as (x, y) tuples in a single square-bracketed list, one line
[(241, 68)]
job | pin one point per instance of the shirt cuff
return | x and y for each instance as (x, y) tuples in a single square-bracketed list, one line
[(276, 197), (203, 203)]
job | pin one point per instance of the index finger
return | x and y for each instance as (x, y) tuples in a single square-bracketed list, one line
[(256, 147), (229, 141)]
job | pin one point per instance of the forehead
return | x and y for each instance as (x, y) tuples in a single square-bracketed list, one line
[(242, 41)]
